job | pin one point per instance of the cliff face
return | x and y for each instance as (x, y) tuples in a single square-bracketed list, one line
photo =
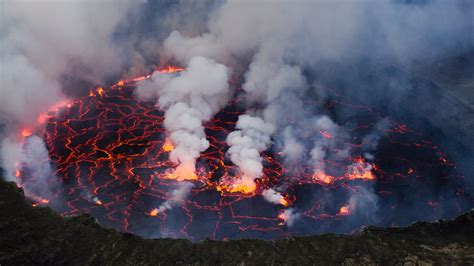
[(30, 235)]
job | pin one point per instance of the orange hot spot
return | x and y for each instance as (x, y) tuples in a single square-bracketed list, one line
[(41, 201), (410, 170), (153, 212), (323, 178), (244, 185), (97, 201), (182, 172), (167, 146), (360, 170), (367, 175), (141, 78), (344, 210), (120, 83), (26, 132), (100, 91), (170, 69), (325, 134), (17, 173), (284, 202), (361, 173), (283, 216)]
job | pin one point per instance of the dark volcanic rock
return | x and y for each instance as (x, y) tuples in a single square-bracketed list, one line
[(30, 235)]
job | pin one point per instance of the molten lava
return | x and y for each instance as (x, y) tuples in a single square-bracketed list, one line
[(170, 69), (243, 184), (26, 132), (153, 212), (168, 146), (182, 172), (110, 146), (323, 178), (344, 210)]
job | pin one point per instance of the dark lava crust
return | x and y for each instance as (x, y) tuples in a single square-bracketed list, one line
[(30, 235)]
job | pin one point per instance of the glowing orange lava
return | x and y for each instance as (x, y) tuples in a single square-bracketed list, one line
[(182, 172), (153, 212), (97, 201), (100, 91), (168, 146), (244, 185), (284, 202), (323, 178), (326, 134), (360, 170), (43, 117), (130, 170), (26, 132), (344, 210), (282, 216), (170, 69), (40, 202)]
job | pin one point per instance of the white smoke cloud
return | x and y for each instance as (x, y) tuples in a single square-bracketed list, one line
[(11, 157), (364, 204), (25, 91), (293, 150), (43, 43), (289, 216), (177, 196), (251, 137), (58, 37), (189, 99), (272, 196), (327, 132), (32, 158)]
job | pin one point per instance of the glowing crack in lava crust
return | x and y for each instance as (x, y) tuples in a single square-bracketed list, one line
[(110, 154)]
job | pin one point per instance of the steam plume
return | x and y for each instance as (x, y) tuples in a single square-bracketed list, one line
[(42, 45), (188, 99)]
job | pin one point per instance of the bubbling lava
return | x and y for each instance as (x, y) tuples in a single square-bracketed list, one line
[(110, 155)]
